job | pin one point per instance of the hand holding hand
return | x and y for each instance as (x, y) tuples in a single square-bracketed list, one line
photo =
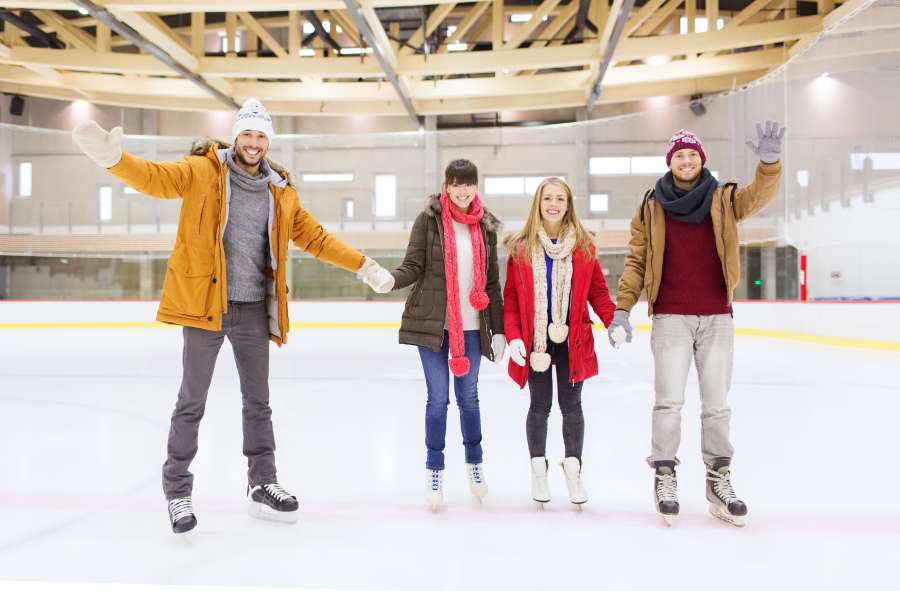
[(620, 323), (375, 276), (498, 346), (517, 351)]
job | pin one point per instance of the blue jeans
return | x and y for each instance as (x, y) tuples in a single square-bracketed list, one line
[(437, 379)]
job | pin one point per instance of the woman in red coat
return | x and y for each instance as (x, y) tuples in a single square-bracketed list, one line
[(552, 274)]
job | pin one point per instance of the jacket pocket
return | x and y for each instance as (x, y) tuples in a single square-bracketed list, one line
[(187, 285)]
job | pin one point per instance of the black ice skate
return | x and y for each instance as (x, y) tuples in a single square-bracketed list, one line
[(723, 502), (665, 484), (271, 502), (181, 515)]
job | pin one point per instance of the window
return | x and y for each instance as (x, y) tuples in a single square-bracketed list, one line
[(328, 177), (654, 165), (803, 178), (599, 202), (880, 161), (610, 165), (129, 191), (701, 24), (504, 185), (24, 179), (457, 47), (349, 209), (105, 199), (385, 196), (223, 43), (532, 183)]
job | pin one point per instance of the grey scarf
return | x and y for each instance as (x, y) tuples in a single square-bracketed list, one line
[(251, 184), (686, 206)]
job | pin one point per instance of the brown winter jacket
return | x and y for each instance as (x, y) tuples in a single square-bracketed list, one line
[(425, 313), (730, 205), (195, 291)]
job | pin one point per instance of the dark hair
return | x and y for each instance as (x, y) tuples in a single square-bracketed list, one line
[(461, 172)]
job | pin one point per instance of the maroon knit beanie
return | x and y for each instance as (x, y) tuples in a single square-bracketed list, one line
[(684, 139)]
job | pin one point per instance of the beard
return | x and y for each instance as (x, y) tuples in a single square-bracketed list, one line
[(239, 155), (679, 177)]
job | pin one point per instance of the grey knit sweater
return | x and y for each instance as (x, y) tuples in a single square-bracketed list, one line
[(246, 238)]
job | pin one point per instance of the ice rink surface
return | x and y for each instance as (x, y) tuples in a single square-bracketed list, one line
[(84, 416)]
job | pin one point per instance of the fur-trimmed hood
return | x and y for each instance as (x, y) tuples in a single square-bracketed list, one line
[(201, 147), (433, 208)]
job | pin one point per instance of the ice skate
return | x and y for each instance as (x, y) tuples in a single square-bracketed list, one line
[(665, 485), (272, 503), (723, 502), (434, 489), (540, 489), (477, 483), (577, 494), (181, 515)]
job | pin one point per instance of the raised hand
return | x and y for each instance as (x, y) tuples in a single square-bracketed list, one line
[(769, 140), (101, 146)]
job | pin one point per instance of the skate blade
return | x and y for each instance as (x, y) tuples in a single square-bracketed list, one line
[(266, 513), (723, 515), (669, 520), (539, 505)]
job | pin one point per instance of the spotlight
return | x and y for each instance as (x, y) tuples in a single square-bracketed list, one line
[(16, 105), (696, 105)]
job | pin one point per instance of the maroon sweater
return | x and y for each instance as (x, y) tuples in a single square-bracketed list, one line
[(692, 280)]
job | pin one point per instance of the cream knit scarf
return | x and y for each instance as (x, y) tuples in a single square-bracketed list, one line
[(561, 253)]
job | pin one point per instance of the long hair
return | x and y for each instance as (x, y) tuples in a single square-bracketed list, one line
[(521, 244)]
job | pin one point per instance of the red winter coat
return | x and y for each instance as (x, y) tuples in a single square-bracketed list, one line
[(588, 285)]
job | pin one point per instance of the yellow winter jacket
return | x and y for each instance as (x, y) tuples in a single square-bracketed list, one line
[(646, 248), (195, 290)]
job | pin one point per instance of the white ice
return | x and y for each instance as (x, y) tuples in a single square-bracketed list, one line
[(84, 415)]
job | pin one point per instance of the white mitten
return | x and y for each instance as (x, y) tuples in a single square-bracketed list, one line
[(101, 146), (517, 351), (498, 346), (375, 276)]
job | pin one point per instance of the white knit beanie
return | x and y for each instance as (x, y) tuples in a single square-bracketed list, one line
[(253, 116)]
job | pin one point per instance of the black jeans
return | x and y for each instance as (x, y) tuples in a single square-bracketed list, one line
[(540, 384)]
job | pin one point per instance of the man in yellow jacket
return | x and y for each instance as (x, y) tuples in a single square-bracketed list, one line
[(226, 278), (684, 252)]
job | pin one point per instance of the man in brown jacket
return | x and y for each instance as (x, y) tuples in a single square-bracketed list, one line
[(684, 252), (226, 278)]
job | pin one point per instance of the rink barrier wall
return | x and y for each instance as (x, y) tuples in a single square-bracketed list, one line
[(840, 324)]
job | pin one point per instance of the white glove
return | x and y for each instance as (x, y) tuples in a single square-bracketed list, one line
[(517, 351), (498, 346), (375, 276), (101, 146)]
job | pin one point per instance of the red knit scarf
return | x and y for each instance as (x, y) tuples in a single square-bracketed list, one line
[(459, 364)]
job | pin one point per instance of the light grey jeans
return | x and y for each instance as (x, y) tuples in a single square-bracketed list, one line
[(675, 340)]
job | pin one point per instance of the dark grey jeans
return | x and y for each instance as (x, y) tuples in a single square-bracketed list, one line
[(540, 385), (246, 326)]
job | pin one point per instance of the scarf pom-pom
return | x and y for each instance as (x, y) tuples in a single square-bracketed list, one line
[(478, 299), (558, 332), (540, 361), (459, 366)]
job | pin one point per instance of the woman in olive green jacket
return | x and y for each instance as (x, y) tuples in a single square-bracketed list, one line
[(455, 311)]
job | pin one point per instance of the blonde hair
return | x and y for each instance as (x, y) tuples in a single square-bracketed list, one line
[(523, 243)]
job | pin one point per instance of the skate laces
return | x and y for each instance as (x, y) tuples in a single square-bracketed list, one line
[(666, 487), (180, 508), (475, 473), (435, 480), (275, 490), (722, 486)]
